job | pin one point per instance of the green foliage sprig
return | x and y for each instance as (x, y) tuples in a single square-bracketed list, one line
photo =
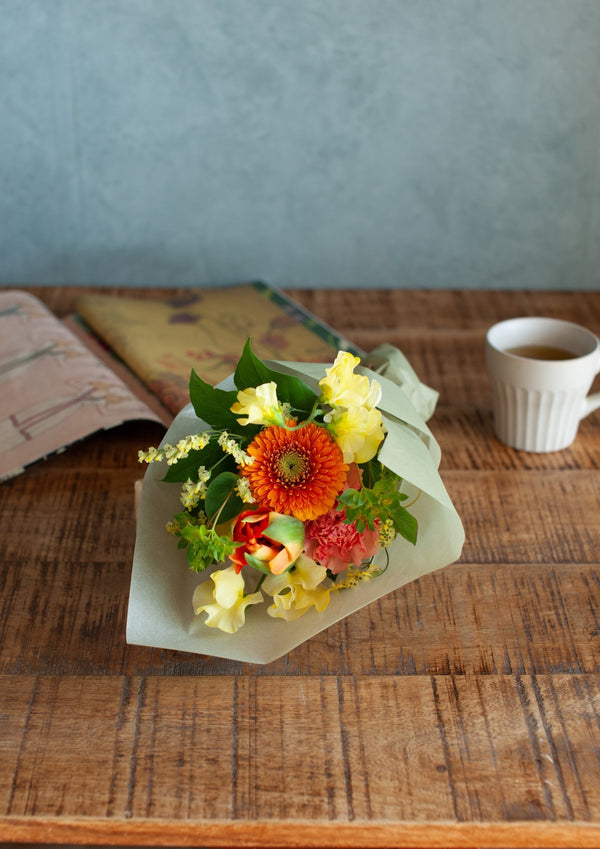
[(381, 501), (204, 544)]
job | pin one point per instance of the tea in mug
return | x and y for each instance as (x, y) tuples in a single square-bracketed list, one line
[(542, 352)]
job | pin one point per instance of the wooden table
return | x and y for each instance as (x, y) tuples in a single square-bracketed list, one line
[(462, 710)]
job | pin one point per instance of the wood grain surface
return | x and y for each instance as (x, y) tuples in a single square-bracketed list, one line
[(462, 710)]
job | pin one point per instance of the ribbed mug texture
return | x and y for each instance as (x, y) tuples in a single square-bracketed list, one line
[(534, 420)]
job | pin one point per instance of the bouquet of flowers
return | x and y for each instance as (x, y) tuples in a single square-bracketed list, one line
[(285, 490), (289, 489)]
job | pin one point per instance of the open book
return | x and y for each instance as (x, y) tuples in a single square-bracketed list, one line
[(205, 329), (59, 382)]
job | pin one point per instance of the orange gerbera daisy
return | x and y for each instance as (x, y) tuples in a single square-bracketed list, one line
[(297, 472)]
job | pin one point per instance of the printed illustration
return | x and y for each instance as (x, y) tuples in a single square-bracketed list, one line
[(53, 391)]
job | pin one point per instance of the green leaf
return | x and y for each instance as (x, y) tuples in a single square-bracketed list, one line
[(252, 372), (212, 405), (351, 498), (256, 563), (222, 501), (406, 524)]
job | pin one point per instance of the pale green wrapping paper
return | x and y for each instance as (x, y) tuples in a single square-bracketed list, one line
[(160, 603)]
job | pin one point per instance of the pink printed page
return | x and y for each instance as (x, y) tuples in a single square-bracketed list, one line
[(53, 391)]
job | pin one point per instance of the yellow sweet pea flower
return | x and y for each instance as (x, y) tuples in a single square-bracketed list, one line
[(296, 591), (357, 431), (342, 388), (223, 599), (259, 405)]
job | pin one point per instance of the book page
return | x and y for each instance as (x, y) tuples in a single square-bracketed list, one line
[(205, 329), (53, 391)]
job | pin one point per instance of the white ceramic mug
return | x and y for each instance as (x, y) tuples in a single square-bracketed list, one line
[(541, 370)]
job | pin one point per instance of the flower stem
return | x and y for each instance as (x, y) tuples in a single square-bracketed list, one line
[(260, 583), (214, 520), (415, 499), (313, 414)]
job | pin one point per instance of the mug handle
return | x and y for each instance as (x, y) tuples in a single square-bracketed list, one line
[(592, 402)]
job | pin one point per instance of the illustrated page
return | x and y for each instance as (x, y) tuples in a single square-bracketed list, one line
[(53, 391)]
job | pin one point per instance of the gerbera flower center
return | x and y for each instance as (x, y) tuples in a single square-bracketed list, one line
[(292, 466)]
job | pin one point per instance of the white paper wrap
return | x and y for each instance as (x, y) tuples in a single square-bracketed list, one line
[(160, 603)]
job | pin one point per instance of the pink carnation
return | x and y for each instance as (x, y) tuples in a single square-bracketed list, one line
[(336, 544)]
